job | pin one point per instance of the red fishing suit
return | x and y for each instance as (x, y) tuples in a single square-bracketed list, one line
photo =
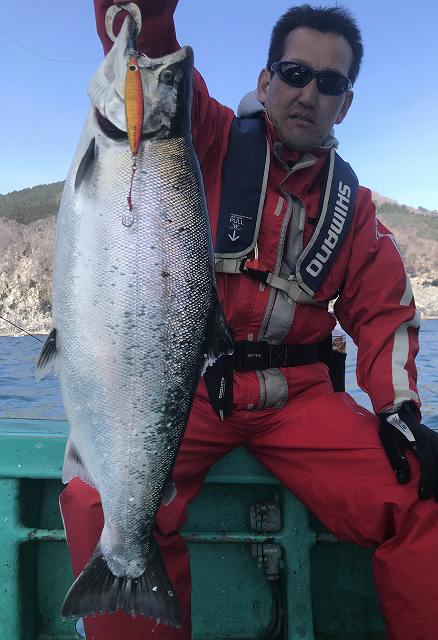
[(319, 444)]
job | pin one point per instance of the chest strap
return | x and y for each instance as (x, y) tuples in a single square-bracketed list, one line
[(289, 285)]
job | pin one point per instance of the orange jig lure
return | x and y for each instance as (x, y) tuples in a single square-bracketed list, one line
[(134, 108), (134, 104)]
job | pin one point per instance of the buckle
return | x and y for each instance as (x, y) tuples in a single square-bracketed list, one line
[(278, 355), (261, 276), (250, 355)]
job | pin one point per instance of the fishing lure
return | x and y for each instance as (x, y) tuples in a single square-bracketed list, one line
[(134, 102), (134, 108)]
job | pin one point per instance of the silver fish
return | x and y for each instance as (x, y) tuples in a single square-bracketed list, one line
[(136, 315)]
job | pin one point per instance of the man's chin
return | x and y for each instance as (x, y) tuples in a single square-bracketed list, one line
[(300, 138), (300, 143)]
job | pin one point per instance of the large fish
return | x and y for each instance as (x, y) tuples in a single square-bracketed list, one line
[(136, 315)]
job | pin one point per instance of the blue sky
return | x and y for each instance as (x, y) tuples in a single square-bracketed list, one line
[(390, 136)]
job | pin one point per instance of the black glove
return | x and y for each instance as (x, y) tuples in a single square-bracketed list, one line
[(402, 430)]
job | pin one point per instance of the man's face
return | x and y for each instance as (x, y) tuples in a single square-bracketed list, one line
[(303, 117)]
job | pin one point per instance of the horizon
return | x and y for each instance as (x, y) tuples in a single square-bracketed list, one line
[(388, 136)]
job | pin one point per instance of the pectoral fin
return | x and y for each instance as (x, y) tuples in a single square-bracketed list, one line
[(47, 356), (169, 493), (219, 364), (74, 466)]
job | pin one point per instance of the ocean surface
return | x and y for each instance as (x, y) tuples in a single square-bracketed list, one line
[(22, 397)]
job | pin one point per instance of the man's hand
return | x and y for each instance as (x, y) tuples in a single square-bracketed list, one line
[(402, 430)]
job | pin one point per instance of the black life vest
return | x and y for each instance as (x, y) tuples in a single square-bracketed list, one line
[(244, 180)]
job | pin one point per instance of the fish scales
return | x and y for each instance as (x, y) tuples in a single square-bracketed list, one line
[(164, 281), (133, 307)]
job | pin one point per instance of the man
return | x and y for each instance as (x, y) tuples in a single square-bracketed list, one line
[(320, 444)]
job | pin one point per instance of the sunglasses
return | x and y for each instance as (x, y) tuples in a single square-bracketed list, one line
[(329, 83)]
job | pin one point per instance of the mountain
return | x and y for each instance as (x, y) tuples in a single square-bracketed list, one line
[(27, 232), (34, 203)]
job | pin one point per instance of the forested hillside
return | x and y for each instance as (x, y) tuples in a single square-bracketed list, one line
[(27, 232), (32, 204)]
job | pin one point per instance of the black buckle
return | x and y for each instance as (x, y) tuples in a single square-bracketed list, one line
[(261, 276), (250, 355), (278, 355)]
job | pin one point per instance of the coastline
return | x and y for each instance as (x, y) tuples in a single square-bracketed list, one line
[(31, 309), (43, 331)]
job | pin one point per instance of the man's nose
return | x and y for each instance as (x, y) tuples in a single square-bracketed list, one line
[(309, 93)]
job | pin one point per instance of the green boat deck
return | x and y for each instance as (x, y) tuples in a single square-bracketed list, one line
[(243, 528)]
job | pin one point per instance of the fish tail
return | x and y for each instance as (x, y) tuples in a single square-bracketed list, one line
[(97, 590)]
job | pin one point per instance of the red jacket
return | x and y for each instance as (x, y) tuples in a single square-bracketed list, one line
[(374, 301)]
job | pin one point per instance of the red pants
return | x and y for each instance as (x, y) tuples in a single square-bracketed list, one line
[(326, 450)]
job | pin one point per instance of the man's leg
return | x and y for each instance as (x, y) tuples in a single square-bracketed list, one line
[(205, 441), (327, 451)]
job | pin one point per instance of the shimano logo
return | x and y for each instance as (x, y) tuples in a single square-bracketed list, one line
[(254, 355), (314, 268)]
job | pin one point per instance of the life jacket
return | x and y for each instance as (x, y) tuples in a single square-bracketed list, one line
[(244, 179)]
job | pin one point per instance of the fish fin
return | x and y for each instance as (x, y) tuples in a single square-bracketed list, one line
[(169, 493), (74, 466), (86, 160), (219, 364), (98, 590), (47, 356), (219, 340)]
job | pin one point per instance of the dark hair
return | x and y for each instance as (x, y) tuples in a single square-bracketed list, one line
[(326, 19)]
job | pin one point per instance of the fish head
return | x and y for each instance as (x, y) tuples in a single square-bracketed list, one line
[(167, 93), (166, 85)]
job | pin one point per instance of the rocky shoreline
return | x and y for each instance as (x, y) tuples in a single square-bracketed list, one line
[(39, 323), (26, 256), (426, 297)]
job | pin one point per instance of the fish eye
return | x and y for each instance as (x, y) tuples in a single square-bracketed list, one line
[(167, 76)]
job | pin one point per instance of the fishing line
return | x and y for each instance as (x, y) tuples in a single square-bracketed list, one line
[(21, 329), (40, 55)]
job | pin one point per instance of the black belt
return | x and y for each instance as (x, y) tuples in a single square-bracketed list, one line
[(249, 356)]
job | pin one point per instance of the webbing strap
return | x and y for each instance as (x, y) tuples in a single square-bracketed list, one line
[(290, 286), (227, 265), (292, 290), (254, 356)]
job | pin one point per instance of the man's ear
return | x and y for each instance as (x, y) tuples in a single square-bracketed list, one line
[(348, 99), (263, 85)]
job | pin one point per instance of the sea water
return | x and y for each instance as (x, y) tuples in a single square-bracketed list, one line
[(22, 397)]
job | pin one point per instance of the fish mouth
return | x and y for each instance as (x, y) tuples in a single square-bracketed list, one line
[(155, 133), (113, 132)]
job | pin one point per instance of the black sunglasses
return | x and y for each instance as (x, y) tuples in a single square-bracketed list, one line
[(329, 83)]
